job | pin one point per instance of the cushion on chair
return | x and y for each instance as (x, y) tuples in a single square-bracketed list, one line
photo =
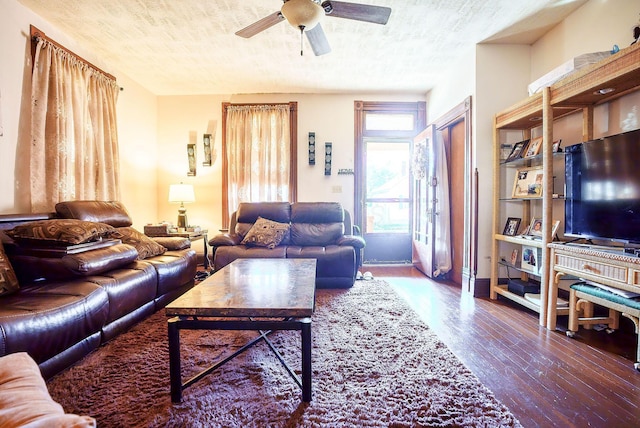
[(146, 246), (25, 400), (61, 232), (8, 281), (266, 233)]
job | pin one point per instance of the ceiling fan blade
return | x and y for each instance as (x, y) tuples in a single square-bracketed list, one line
[(318, 40), (261, 25), (357, 11)]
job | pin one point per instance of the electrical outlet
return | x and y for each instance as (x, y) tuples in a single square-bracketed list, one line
[(336, 189)]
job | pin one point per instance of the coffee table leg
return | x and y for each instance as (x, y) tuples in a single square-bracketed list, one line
[(306, 360), (174, 360)]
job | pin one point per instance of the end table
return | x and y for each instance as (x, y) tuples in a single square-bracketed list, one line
[(192, 236)]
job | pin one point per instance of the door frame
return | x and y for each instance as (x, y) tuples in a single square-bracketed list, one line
[(385, 107), (462, 112)]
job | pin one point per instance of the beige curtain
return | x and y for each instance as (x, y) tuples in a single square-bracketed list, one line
[(74, 141), (258, 161)]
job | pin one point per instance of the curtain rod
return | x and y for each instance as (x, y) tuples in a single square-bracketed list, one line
[(39, 34)]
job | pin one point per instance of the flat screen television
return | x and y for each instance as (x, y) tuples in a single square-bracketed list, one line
[(602, 188)]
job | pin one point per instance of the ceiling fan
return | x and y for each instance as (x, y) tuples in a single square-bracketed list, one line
[(306, 15)]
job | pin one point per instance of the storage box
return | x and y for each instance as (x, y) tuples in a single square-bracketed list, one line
[(156, 229), (520, 287), (566, 69)]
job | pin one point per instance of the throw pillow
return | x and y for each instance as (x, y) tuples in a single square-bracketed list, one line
[(62, 231), (266, 233), (8, 280), (146, 246)]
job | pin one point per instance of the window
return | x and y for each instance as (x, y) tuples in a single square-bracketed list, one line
[(73, 152), (259, 154)]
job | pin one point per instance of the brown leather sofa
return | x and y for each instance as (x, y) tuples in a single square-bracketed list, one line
[(69, 305), (318, 230)]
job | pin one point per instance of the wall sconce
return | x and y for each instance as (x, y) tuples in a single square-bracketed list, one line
[(181, 193), (312, 148), (327, 158), (206, 142), (191, 155)]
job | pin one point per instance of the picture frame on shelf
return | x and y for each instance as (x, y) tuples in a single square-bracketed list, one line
[(533, 148), (556, 146), (535, 228), (528, 183), (530, 260), (514, 256), (511, 226), (505, 151), (516, 151)]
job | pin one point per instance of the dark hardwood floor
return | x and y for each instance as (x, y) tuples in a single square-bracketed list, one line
[(545, 378)]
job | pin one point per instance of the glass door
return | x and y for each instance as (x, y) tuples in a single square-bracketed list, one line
[(383, 207), (387, 197)]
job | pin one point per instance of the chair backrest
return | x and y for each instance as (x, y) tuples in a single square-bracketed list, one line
[(248, 212), (316, 223), (110, 212)]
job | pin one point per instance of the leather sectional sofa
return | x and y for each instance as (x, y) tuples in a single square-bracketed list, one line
[(69, 304), (318, 230)]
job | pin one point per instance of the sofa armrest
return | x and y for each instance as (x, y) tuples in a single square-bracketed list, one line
[(225, 239), (352, 240), (172, 243)]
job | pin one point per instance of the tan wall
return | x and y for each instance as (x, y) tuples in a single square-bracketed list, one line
[(331, 117)]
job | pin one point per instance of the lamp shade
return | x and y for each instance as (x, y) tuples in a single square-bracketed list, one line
[(302, 13), (180, 193)]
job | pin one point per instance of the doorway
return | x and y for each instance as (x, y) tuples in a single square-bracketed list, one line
[(387, 201), (455, 128), (383, 192)]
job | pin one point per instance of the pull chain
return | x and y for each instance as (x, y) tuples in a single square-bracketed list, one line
[(301, 39)]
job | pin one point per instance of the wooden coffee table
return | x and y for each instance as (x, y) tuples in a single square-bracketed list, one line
[(249, 294)]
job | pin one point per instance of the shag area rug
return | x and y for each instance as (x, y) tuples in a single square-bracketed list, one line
[(375, 364)]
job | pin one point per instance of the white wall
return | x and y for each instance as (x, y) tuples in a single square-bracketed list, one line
[(595, 27), (501, 80), (459, 84)]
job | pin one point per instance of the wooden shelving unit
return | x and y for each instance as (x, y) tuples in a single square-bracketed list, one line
[(579, 92)]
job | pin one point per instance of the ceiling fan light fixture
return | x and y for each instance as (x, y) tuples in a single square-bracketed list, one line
[(304, 14)]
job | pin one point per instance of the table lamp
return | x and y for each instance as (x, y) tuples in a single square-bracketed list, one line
[(182, 193)]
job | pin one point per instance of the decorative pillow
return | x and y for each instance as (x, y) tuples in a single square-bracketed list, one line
[(25, 400), (62, 231), (8, 280), (146, 246), (266, 233)]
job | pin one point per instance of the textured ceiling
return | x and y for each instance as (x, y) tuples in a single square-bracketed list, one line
[(189, 47)]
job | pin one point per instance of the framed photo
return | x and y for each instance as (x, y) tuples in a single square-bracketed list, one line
[(530, 260), (511, 227), (533, 148), (505, 151), (528, 182), (535, 228), (514, 256), (516, 151), (556, 146)]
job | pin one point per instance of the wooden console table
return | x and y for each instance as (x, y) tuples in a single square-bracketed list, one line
[(610, 267)]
